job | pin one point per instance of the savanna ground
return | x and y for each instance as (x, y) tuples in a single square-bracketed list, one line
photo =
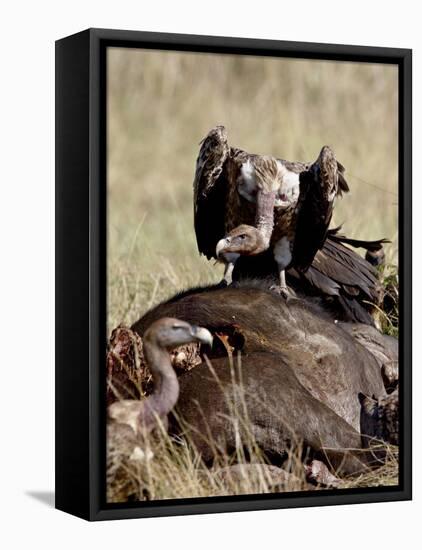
[(161, 104)]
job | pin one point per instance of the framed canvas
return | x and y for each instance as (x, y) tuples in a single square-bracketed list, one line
[(233, 274)]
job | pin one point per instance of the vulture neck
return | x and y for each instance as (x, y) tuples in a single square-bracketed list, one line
[(166, 387), (264, 219)]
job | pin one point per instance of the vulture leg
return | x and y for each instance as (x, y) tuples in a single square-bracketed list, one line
[(282, 289), (224, 254), (283, 286), (228, 270), (283, 257)]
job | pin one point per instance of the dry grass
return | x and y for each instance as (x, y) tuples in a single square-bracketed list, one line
[(386, 475), (174, 469), (161, 104)]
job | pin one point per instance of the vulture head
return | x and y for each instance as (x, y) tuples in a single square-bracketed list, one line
[(169, 333), (163, 335), (244, 240)]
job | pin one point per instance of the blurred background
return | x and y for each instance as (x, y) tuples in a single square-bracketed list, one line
[(161, 104)]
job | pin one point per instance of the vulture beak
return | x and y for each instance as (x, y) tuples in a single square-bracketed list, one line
[(202, 335), (221, 245)]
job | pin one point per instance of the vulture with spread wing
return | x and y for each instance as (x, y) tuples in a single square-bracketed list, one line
[(245, 204)]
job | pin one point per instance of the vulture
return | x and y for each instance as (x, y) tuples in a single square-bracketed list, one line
[(286, 206), (164, 334), (131, 420)]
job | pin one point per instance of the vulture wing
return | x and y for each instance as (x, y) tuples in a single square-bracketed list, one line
[(337, 274), (371, 246), (374, 250), (319, 186), (339, 271), (354, 274), (210, 191)]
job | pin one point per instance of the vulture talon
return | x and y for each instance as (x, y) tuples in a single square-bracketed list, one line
[(283, 292), (222, 284)]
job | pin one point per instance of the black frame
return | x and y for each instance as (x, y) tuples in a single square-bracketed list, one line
[(81, 270)]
